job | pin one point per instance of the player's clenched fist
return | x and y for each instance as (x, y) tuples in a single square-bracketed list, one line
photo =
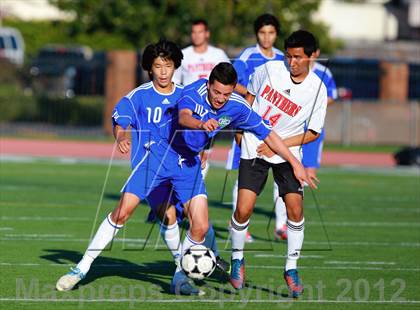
[(210, 125), (124, 145)]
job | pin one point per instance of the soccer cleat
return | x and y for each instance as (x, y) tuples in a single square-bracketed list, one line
[(182, 285), (222, 265), (237, 273), (281, 234), (293, 283), (248, 237), (69, 280)]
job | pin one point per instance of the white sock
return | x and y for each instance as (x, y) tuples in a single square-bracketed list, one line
[(211, 240), (294, 242), (189, 242), (234, 196), (280, 208), (170, 234), (105, 233), (238, 238)]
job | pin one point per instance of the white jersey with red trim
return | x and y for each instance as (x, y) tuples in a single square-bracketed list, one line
[(289, 107), (197, 66)]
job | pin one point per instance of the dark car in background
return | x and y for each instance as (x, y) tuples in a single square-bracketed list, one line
[(66, 71)]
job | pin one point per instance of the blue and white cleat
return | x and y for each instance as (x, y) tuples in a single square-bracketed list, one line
[(182, 285), (69, 280), (237, 273), (293, 283)]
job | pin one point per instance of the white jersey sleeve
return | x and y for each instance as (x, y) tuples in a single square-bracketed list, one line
[(177, 77), (257, 79), (316, 121), (223, 56)]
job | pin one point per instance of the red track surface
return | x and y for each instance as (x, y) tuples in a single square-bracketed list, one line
[(102, 150)]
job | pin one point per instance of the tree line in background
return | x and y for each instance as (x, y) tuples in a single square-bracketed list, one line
[(132, 24)]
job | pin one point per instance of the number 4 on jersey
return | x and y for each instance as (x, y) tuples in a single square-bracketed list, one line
[(273, 119)]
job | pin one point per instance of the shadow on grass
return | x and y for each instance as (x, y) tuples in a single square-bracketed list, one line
[(158, 272)]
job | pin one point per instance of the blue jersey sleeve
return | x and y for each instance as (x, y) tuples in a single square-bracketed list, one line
[(187, 101), (124, 113), (332, 89), (189, 96), (250, 121), (240, 68)]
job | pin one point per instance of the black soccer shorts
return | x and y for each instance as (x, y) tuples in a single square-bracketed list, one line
[(253, 174)]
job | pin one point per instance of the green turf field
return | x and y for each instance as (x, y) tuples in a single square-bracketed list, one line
[(361, 250)]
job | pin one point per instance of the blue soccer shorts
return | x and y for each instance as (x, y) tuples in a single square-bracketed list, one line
[(160, 175)]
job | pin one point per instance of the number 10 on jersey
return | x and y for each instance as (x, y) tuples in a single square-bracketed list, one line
[(154, 115)]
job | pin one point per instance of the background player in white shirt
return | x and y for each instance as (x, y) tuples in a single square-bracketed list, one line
[(291, 97), (199, 59)]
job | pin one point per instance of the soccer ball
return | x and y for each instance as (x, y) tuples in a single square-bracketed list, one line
[(198, 262)]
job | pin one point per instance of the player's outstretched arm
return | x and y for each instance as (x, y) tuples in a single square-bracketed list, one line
[(277, 144), (187, 120), (123, 141)]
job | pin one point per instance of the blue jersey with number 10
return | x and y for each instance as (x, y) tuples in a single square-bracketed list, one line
[(149, 113)]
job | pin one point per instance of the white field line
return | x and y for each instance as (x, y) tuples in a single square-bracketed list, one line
[(60, 160), (34, 237), (265, 222), (202, 300), (336, 268), (277, 267), (6, 228), (354, 208), (399, 171), (17, 237), (364, 243), (38, 235), (339, 262), (284, 256)]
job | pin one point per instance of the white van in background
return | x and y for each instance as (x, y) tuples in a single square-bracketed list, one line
[(12, 46)]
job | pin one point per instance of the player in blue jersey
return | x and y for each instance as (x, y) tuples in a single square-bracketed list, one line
[(205, 108), (266, 29), (147, 112)]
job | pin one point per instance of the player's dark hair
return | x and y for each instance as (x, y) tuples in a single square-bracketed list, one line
[(224, 73), (302, 38), (166, 49), (200, 21), (264, 20)]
